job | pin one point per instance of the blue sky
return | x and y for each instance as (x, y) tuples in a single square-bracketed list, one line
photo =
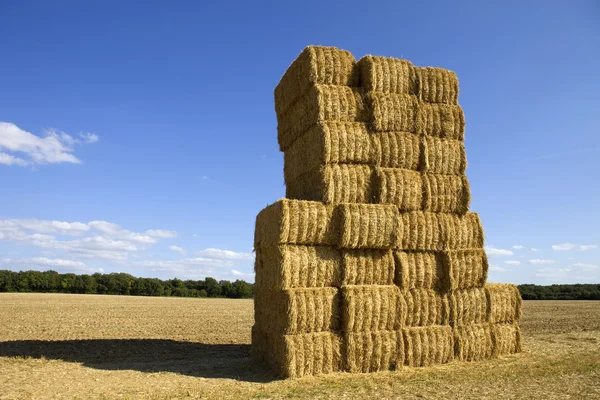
[(142, 138)]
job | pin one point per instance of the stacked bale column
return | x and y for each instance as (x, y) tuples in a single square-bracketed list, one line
[(373, 261)]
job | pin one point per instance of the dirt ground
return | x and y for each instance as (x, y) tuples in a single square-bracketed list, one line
[(55, 346)]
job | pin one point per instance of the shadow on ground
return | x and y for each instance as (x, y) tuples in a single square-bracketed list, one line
[(230, 361)]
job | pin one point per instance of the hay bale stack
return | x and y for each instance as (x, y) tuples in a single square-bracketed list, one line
[(373, 261)]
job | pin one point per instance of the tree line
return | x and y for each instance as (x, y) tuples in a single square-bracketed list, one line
[(120, 284), (125, 284)]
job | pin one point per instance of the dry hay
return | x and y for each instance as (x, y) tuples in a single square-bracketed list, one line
[(330, 142), (504, 302), (443, 156), (301, 310), (401, 187), (320, 103), (425, 307), (315, 65), (426, 231), (334, 184), (428, 345), (296, 222), (400, 112), (371, 226), (468, 306), (398, 150), (371, 308), (374, 351), (418, 270), (368, 267), (288, 266), (446, 193), (473, 342), (464, 269), (392, 75), (294, 356), (507, 339)]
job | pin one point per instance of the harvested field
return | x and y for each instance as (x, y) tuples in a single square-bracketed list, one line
[(106, 347)]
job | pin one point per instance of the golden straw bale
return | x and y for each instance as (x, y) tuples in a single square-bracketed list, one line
[(320, 103), (504, 302), (374, 351), (469, 306), (464, 269), (371, 308), (314, 66), (473, 342), (443, 156), (296, 222), (441, 120), (428, 345), (291, 266), (446, 193), (334, 184), (461, 231), (507, 339), (425, 307), (398, 150), (387, 74), (367, 267), (297, 310), (330, 142), (294, 356), (393, 112), (418, 270), (437, 85), (401, 187), (371, 226)]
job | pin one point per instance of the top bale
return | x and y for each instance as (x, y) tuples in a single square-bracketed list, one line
[(315, 65)]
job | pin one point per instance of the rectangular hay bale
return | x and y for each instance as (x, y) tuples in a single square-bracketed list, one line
[(473, 342), (446, 193), (371, 226), (443, 156), (371, 308), (316, 65), (507, 339), (367, 267), (437, 85), (374, 351), (334, 184), (469, 306), (296, 222), (320, 103), (288, 266), (504, 302), (464, 269), (294, 356), (401, 187), (301, 310), (418, 270), (425, 307), (428, 345)]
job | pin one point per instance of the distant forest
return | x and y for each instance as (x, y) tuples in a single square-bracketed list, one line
[(125, 284)]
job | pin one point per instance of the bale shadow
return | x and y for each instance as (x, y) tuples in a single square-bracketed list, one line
[(231, 361)]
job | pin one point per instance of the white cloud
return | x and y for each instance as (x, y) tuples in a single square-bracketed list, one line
[(585, 267), (497, 269), (55, 147), (241, 274), (55, 262), (534, 249), (177, 249), (195, 235), (541, 262), (225, 254), (115, 231), (160, 233), (563, 247), (44, 226), (585, 247), (518, 247), (512, 262), (552, 274), (492, 251)]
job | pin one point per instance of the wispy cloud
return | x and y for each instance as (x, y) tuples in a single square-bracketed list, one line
[(160, 233), (563, 246), (28, 149), (534, 249), (492, 251), (225, 254), (541, 262), (177, 249), (496, 268), (585, 247), (518, 247), (512, 262)]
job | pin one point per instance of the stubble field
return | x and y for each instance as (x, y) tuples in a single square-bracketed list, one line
[(103, 347)]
